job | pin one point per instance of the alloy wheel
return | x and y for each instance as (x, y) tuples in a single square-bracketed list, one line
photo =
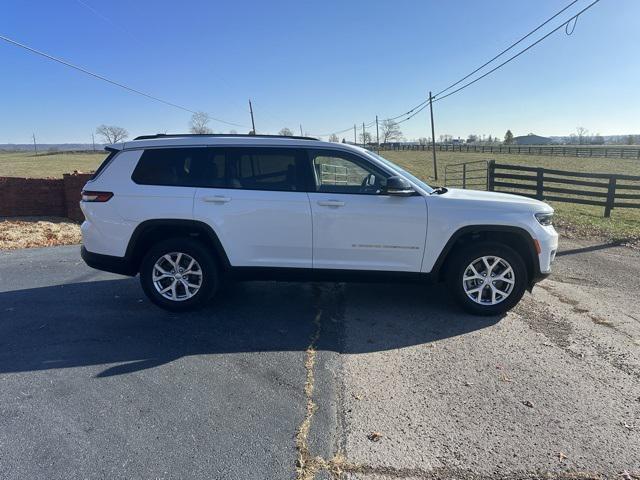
[(488, 280), (177, 276)]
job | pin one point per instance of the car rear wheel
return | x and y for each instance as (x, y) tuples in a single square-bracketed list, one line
[(179, 274), (487, 279)]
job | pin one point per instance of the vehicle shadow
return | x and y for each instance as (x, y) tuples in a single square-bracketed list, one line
[(591, 248), (111, 322)]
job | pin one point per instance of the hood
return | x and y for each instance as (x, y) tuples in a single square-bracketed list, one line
[(497, 200)]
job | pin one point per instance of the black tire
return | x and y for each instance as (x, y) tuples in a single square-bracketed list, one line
[(463, 257), (208, 269)]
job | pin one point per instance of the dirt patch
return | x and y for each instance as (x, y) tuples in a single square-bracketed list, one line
[(29, 232), (542, 320)]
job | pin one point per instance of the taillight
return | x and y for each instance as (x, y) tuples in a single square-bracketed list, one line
[(96, 196)]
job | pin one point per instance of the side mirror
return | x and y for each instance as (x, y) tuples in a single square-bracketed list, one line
[(397, 185)]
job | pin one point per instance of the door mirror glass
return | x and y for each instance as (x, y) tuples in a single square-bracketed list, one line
[(397, 185)]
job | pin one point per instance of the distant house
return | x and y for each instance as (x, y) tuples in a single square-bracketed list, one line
[(532, 139)]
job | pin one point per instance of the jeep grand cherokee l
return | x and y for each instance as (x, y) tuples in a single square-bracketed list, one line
[(189, 212)]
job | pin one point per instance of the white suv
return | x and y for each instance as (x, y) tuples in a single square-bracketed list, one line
[(189, 212)]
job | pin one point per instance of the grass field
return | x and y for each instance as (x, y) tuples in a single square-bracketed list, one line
[(584, 220), (20, 164)]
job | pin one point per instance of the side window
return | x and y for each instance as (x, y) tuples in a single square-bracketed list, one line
[(170, 167), (338, 172), (265, 169), (213, 173)]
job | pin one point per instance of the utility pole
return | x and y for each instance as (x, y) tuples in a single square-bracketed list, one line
[(364, 137), (355, 136), (93, 141), (35, 147), (301, 131), (377, 135), (253, 123), (433, 139)]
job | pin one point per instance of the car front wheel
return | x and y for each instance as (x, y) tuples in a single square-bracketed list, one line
[(488, 279), (179, 275)]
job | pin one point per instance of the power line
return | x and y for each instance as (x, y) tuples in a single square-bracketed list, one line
[(424, 104), (421, 106), (107, 19), (508, 48), (519, 53), (105, 79)]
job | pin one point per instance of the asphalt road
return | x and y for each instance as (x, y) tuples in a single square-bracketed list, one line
[(95, 382), (552, 390), (279, 380)]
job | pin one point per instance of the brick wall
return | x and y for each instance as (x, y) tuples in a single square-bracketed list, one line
[(42, 196), (73, 183)]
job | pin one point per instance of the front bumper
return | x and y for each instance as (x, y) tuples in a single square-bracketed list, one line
[(548, 249)]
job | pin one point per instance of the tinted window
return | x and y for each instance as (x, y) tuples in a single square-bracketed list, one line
[(171, 167), (264, 169), (338, 172), (103, 165), (213, 173)]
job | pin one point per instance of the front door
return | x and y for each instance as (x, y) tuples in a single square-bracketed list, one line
[(356, 226)]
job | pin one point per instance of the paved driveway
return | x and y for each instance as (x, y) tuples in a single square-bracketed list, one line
[(282, 380), (95, 382)]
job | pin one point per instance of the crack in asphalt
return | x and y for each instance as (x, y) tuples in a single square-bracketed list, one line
[(308, 465)]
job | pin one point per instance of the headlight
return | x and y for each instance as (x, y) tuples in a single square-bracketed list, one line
[(544, 219)]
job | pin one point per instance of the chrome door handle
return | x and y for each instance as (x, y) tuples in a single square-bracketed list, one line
[(331, 203), (216, 199)]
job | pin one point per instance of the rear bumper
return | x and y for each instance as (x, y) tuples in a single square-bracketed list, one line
[(107, 263)]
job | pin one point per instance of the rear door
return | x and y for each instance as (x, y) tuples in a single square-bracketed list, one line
[(255, 200), (161, 185), (356, 226)]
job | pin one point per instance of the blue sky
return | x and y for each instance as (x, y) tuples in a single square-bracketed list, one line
[(325, 65)]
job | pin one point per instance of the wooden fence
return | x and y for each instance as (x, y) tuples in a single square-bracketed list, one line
[(548, 150), (608, 190)]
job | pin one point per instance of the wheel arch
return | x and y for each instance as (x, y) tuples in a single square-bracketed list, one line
[(151, 231), (515, 237)]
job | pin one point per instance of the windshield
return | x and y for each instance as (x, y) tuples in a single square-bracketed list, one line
[(394, 166)]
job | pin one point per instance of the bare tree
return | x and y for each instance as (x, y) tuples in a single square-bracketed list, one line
[(389, 130), (286, 132), (583, 135), (198, 123), (334, 138), (112, 133), (423, 140), (366, 138)]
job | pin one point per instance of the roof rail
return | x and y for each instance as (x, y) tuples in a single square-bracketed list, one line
[(172, 135)]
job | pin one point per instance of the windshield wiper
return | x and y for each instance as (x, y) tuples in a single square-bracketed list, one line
[(439, 190)]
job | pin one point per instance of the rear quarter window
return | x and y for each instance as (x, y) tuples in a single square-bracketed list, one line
[(105, 162), (178, 167)]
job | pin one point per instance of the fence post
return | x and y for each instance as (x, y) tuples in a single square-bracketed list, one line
[(540, 184), (464, 175), (611, 196), (491, 170)]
